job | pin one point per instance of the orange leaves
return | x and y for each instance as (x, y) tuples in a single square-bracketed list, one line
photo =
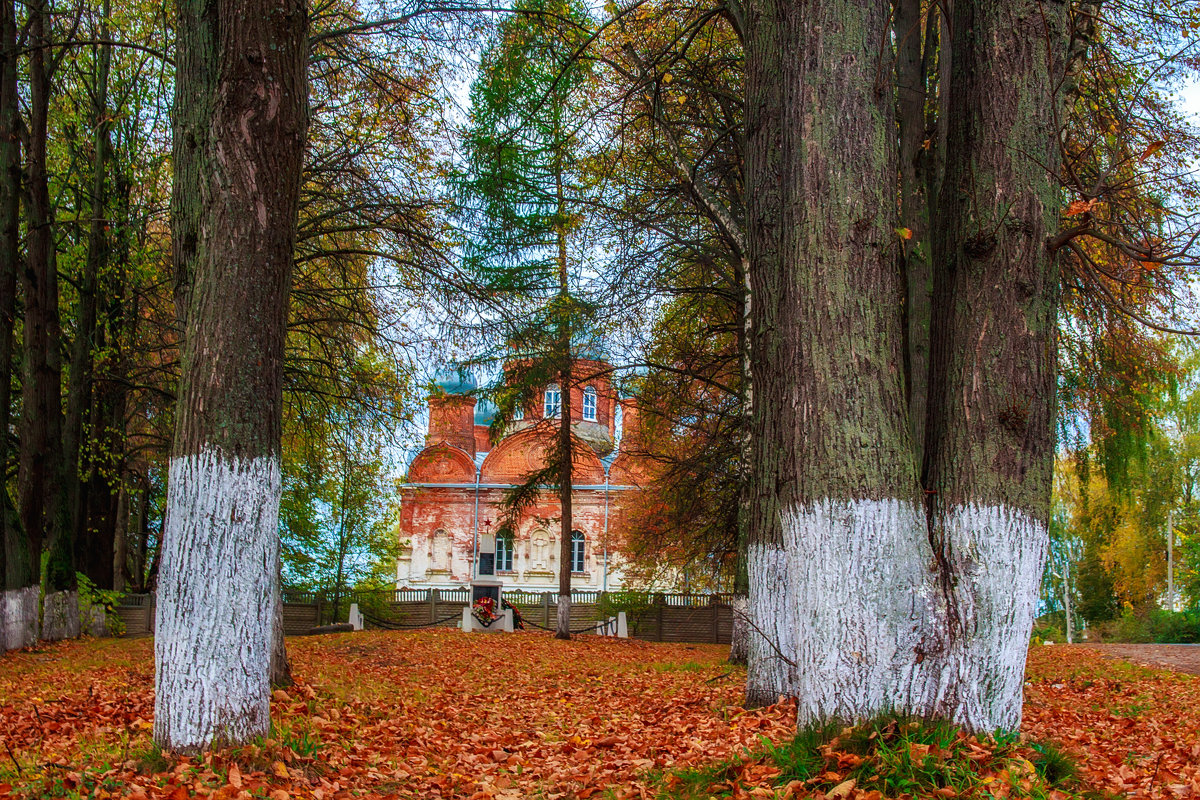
[(428, 714), (1077, 207), (1134, 731), (443, 715), (1151, 149)]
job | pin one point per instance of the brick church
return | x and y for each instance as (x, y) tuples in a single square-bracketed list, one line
[(450, 501)]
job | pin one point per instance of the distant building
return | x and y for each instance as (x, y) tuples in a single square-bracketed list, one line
[(455, 484)]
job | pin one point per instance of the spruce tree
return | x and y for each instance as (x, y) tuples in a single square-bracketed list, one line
[(520, 191)]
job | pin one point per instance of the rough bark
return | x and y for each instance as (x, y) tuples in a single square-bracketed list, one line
[(244, 61), (913, 247), (990, 451), (838, 551), (18, 570), (45, 515)]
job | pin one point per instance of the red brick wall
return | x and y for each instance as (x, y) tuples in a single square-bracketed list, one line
[(452, 419)]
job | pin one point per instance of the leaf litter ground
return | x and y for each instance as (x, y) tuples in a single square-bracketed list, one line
[(442, 714)]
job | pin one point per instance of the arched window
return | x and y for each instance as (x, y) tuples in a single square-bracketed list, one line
[(518, 414), (576, 551), (589, 404), (553, 404), (504, 550)]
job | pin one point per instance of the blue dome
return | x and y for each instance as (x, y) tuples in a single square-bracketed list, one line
[(453, 381), (485, 412)]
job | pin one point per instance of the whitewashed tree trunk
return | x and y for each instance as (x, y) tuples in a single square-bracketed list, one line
[(240, 120), (19, 617), (563, 616), (60, 616), (848, 612), (996, 556), (216, 601), (739, 636)]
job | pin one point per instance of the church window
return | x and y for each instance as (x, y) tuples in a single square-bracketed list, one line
[(518, 413), (589, 404), (576, 551), (553, 405), (504, 550)]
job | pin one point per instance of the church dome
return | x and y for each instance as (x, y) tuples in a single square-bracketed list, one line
[(454, 381), (485, 412)]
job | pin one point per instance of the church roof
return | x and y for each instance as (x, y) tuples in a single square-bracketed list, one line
[(452, 380), (485, 412)]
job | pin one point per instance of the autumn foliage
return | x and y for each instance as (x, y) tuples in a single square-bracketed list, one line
[(441, 714)]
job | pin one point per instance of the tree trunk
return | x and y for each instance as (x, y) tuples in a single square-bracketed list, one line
[(244, 61), (45, 513), (913, 245), (739, 637), (989, 457), (566, 448), (281, 666), (20, 568), (838, 550), (81, 379), (120, 560)]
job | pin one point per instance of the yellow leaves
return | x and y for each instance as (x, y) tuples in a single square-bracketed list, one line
[(904, 233), (279, 769)]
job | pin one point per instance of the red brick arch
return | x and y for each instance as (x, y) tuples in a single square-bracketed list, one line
[(526, 450), (442, 463)]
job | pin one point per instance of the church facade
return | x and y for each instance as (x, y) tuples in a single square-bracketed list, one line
[(451, 501)]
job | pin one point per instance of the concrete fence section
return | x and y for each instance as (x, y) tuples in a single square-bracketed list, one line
[(676, 617)]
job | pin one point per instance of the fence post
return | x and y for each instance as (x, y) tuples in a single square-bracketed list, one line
[(661, 601), (433, 604), (715, 610), (546, 609)]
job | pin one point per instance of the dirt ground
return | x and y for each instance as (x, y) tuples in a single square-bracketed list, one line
[(1177, 657)]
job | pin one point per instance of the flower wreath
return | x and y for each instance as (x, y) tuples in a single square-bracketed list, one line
[(484, 610)]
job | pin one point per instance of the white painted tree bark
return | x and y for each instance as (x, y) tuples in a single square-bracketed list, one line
[(562, 617), (855, 621), (19, 618), (847, 609), (216, 601), (739, 635), (996, 556)]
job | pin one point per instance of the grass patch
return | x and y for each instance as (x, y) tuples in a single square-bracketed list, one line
[(686, 666), (883, 758)]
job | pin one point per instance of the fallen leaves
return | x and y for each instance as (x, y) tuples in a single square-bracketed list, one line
[(1135, 731), (441, 714)]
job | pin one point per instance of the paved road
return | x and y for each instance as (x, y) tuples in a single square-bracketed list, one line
[(1177, 657)]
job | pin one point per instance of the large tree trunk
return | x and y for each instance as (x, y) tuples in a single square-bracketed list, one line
[(913, 246), (45, 513), (244, 61), (839, 555), (991, 442), (18, 568)]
